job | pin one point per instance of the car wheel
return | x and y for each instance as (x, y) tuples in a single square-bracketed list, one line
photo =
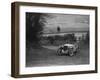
[(71, 53), (59, 51)]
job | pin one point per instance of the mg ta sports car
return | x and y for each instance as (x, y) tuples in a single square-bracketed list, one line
[(68, 49)]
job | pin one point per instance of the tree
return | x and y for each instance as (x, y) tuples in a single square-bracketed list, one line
[(58, 37), (34, 27), (58, 29), (70, 37), (51, 39), (87, 37)]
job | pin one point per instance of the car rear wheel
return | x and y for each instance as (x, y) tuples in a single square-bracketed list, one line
[(71, 53)]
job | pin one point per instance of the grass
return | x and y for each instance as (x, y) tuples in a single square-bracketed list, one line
[(48, 57)]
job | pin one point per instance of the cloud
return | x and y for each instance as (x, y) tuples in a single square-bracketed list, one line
[(67, 22)]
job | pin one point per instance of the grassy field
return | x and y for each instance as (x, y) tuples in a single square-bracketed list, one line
[(47, 56)]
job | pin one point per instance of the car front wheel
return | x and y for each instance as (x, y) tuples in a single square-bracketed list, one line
[(59, 51)]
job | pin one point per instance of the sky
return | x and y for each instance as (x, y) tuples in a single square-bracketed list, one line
[(66, 22)]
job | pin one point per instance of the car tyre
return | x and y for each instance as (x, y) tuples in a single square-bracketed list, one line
[(71, 53), (59, 51)]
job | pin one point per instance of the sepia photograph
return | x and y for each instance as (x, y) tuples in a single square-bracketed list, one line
[(56, 39)]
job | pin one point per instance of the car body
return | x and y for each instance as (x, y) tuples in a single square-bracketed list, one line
[(70, 49)]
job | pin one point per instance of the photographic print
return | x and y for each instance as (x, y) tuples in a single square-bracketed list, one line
[(56, 39), (51, 39)]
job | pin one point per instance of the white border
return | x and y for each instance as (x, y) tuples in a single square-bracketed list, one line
[(68, 68)]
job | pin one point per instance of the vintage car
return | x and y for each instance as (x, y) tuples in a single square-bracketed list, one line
[(68, 49)]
